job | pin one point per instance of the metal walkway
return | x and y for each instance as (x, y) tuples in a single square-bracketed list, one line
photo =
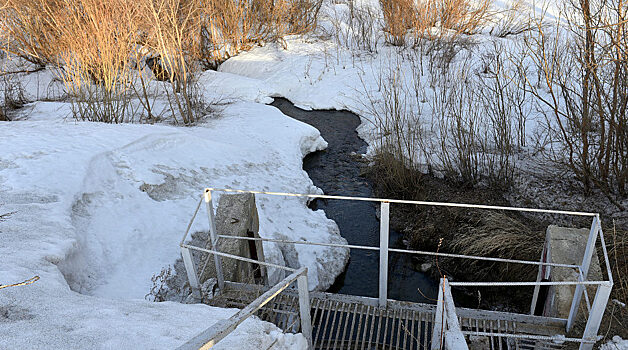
[(353, 322), (335, 321)]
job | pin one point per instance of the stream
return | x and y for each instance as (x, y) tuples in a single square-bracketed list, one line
[(336, 171)]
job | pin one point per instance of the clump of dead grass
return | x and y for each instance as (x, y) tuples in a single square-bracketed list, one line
[(500, 236), (433, 19), (617, 246)]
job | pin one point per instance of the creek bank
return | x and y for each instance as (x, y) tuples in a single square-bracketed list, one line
[(339, 171), (466, 231)]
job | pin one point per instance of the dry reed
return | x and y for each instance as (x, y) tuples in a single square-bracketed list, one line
[(449, 18), (100, 46)]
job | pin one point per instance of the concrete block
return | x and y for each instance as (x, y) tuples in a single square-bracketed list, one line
[(236, 215), (567, 246)]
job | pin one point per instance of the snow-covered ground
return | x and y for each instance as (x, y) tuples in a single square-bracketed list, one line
[(98, 209), (616, 343)]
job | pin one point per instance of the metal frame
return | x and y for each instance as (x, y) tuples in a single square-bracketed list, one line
[(447, 333), (212, 335), (596, 309)]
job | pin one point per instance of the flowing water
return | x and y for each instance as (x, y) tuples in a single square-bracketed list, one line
[(337, 172)]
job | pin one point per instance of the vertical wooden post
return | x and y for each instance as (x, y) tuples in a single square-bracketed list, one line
[(304, 307), (213, 238), (383, 253)]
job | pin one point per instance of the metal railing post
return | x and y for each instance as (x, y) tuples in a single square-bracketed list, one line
[(595, 317), (191, 272), (383, 253), (304, 307), (213, 238), (586, 262), (440, 319)]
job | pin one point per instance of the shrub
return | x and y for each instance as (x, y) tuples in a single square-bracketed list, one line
[(29, 29), (100, 46), (449, 17), (231, 26), (399, 16), (582, 88)]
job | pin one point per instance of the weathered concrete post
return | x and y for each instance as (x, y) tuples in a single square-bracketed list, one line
[(567, 246), (236, 215)]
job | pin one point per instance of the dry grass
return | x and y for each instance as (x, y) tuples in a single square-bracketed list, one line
[(617, 246), (464, 16), (514, 19), (100, 47), (499, 235), (449, 17), (400, 16)]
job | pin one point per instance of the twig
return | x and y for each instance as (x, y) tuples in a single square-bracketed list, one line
[(27, 282), (27, 71)]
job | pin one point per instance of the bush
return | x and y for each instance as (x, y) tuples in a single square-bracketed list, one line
[(100, 46), (231, 26), (449, 17), (582, 87)]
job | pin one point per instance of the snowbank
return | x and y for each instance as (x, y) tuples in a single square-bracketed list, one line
[(101, 208)]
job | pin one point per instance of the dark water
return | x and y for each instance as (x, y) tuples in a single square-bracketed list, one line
[(337, 172)]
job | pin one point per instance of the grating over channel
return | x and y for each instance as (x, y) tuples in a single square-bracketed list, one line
[(351, 322)]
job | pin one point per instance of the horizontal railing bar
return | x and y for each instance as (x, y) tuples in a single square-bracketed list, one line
[(238, 257), (418, 252), (336, 245), (485, 258), (527, 336), (212, 335), (401, 201), (506, 284)]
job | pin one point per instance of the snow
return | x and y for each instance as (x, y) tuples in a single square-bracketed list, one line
[(101, 208), (617, 343)]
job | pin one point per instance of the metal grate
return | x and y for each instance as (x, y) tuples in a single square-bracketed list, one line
[(352, 322)]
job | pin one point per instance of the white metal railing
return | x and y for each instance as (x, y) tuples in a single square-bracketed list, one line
[(212, 335), (596, 309), (447, 334)]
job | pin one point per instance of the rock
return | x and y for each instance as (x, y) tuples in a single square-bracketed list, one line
[(425, 267), (478, 342), (208, 289)]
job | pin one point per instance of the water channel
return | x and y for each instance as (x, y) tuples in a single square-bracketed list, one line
[(336, 171)]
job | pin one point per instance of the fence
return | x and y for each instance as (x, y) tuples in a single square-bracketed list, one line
[(596, 310)]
